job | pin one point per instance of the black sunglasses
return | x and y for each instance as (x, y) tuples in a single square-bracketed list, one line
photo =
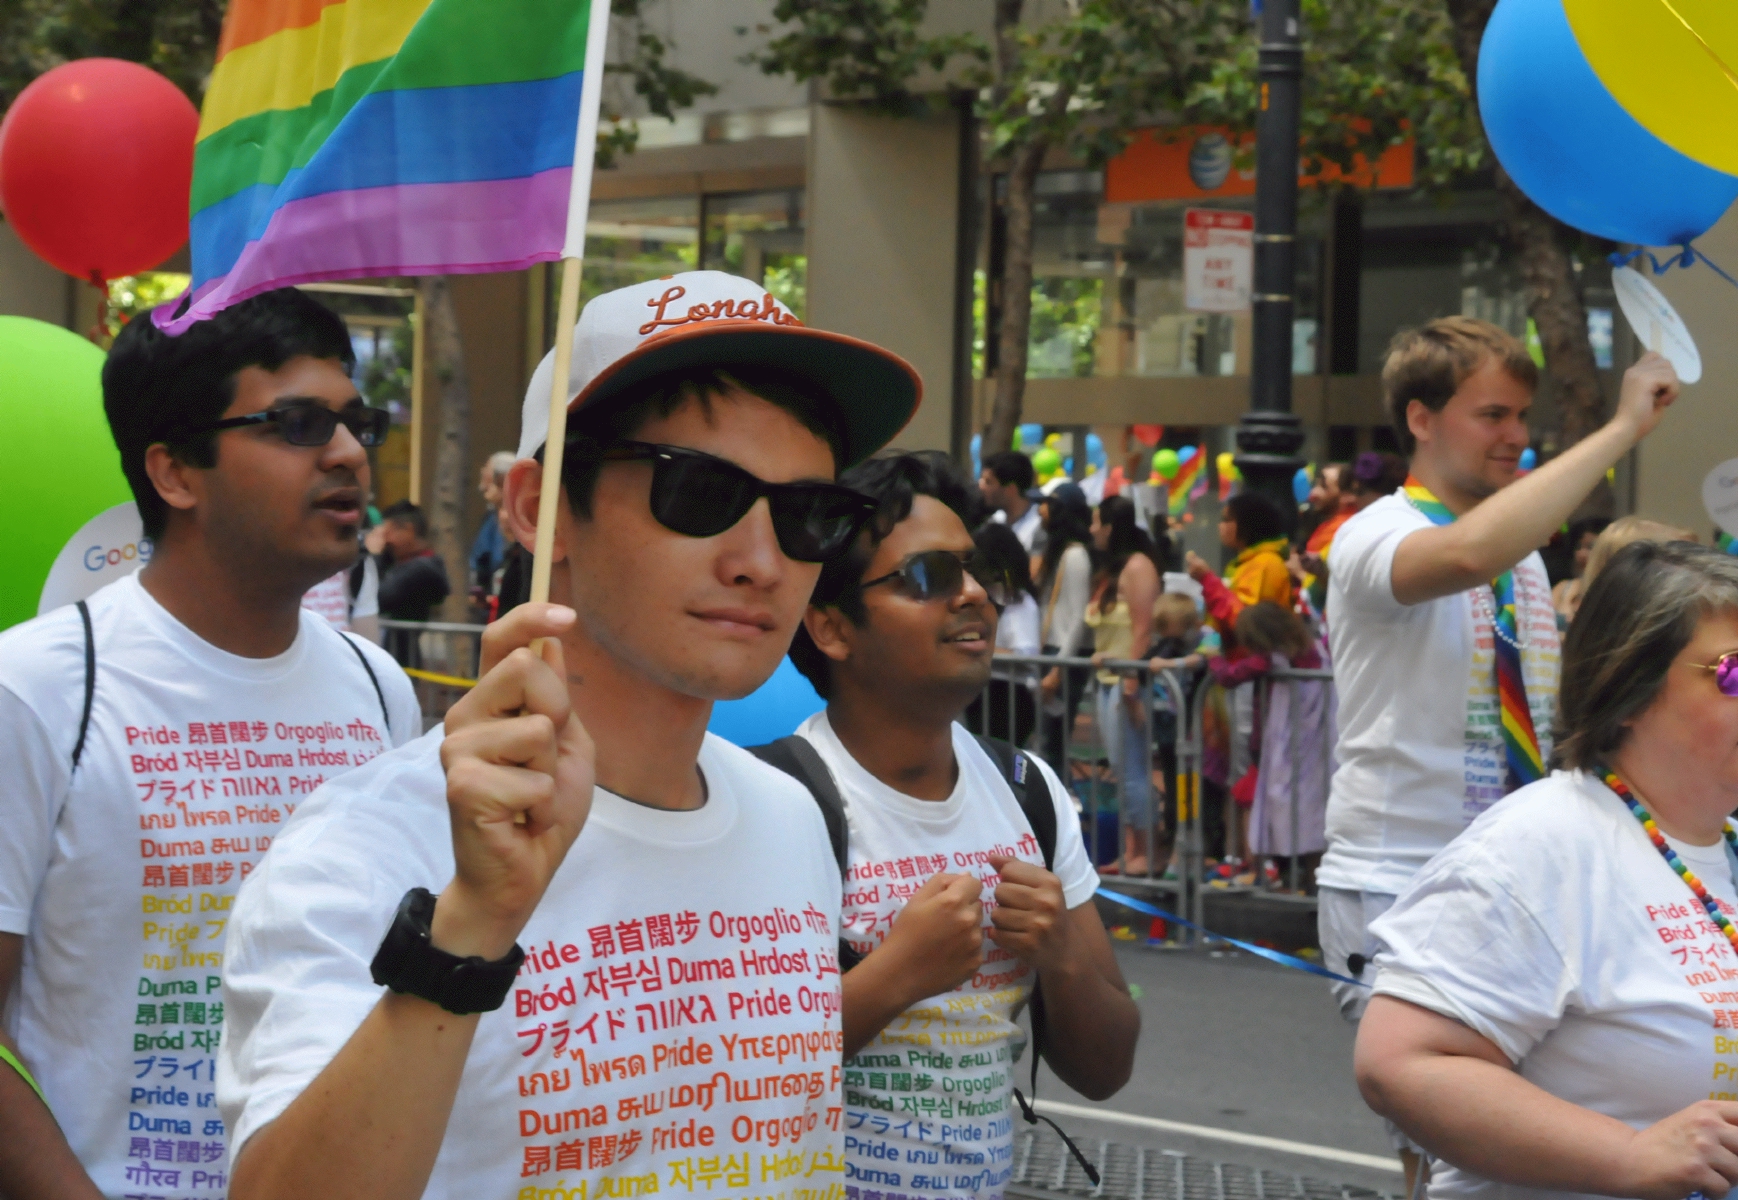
[(306, 423), (698, 495), (941, 575)]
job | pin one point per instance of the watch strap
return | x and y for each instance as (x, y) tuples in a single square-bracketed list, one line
[(408, 962)]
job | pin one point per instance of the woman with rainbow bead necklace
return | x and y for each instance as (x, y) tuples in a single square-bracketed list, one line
[(1557, 1005)]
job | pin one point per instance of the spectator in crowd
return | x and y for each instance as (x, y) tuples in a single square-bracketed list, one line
[(1439, 611), (898, 640), (698, 500), (1546, 985), (1328, 506), (1176, 667), (1566, 595), (1064, 587), (1253, 528), (1125, 583), (1615, 537), (350, 599), (1013, 706), (244, 442), (1288, 809), (1008, 486), (490, 545), (413, 578)]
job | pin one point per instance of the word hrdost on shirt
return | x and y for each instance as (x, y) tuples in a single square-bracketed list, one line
[(121, 875), (675, 1027), (928, 1102)]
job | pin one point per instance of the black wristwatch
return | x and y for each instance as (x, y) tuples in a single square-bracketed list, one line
[(408, 962)]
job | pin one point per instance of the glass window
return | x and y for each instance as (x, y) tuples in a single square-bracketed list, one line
[(1107, 290), (759, 235), (631, 241)]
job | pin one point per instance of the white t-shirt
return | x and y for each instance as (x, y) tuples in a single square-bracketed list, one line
[(1029, 528), (1555, 929), (928, 1104), (331, 597), (1017, 628), (1420, 751), (193, 759), (677, 1027)]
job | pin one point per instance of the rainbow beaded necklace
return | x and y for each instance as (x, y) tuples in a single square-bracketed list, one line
[(1671, 856)]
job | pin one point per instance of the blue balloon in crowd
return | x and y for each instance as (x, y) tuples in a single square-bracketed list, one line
[(977, 454), (1300, 485), (1068, 466), (772, 711), (1185, 454), (1095, 451), (1529, 459), (1573, 149), (1031, 435)]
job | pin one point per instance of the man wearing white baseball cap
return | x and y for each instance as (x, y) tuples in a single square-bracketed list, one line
[(672, 1018)]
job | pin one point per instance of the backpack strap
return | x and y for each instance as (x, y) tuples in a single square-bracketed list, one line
[(1038, 803), (796, 757), (90, 681), (372, 678), (1031, 791)]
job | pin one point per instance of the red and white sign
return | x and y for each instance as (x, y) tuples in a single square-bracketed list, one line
[(1218, 259)]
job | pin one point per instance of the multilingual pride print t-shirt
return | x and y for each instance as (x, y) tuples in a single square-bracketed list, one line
[(928, 1102), (1420, 751), (120, 875), (1556, 930), (675, 1028)]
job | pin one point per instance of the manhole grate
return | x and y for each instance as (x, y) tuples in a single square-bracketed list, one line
[(1042, 1164)]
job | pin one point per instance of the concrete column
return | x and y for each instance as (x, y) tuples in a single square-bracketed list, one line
[(882, 215), (1697, 433)]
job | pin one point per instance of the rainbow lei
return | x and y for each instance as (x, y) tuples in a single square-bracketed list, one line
[(1520, 739), (1671, 856)]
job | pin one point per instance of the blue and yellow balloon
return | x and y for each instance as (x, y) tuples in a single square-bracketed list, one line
[(1575, 99)]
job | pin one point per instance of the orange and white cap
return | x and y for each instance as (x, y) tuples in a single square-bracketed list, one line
[(705, 319)]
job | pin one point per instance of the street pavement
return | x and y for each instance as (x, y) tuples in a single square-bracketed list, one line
[(1238, 1046)]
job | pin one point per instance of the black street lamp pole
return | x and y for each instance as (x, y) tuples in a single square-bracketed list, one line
[(1269, 435)]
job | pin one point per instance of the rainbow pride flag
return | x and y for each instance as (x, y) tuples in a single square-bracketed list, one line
[(1190, 482), (350, 138)]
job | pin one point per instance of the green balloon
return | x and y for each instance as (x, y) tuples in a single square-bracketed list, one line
[(1045, 461), (58, 463), (1166, 464)]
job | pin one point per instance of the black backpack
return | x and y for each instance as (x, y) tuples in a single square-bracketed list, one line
[(796, 757)]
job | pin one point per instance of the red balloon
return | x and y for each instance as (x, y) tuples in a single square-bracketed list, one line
[(96, 167), (1148, 435)]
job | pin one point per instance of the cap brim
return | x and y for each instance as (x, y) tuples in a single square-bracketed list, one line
[(876, 390)]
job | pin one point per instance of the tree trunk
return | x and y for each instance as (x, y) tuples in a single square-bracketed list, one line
[(1016, 282), (1537, 240), (446, 500)]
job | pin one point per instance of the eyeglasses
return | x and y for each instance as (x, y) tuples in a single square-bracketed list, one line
[(698, 495), (941, 575), (1725, 670), (305, 423)]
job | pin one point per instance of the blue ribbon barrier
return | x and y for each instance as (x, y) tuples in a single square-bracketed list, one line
[(1284, 960)]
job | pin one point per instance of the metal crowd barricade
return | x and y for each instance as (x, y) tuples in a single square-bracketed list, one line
[(441, 658)]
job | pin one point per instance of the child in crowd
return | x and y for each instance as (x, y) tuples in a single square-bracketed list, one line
[(1270, 637), (1176, 638), (1615, 537)]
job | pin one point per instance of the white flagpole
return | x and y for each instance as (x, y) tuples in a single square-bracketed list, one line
[(567, 313)]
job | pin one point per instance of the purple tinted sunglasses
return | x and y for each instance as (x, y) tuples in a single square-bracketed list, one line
[(1725, 670)]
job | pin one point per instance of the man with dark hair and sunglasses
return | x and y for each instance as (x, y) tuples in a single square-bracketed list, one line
[(157, 735), (948, 898), (672, 1021)]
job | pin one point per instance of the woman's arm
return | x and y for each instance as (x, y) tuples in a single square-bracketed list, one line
[(1139, 584), (1068, 620), (1455, 1093)]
